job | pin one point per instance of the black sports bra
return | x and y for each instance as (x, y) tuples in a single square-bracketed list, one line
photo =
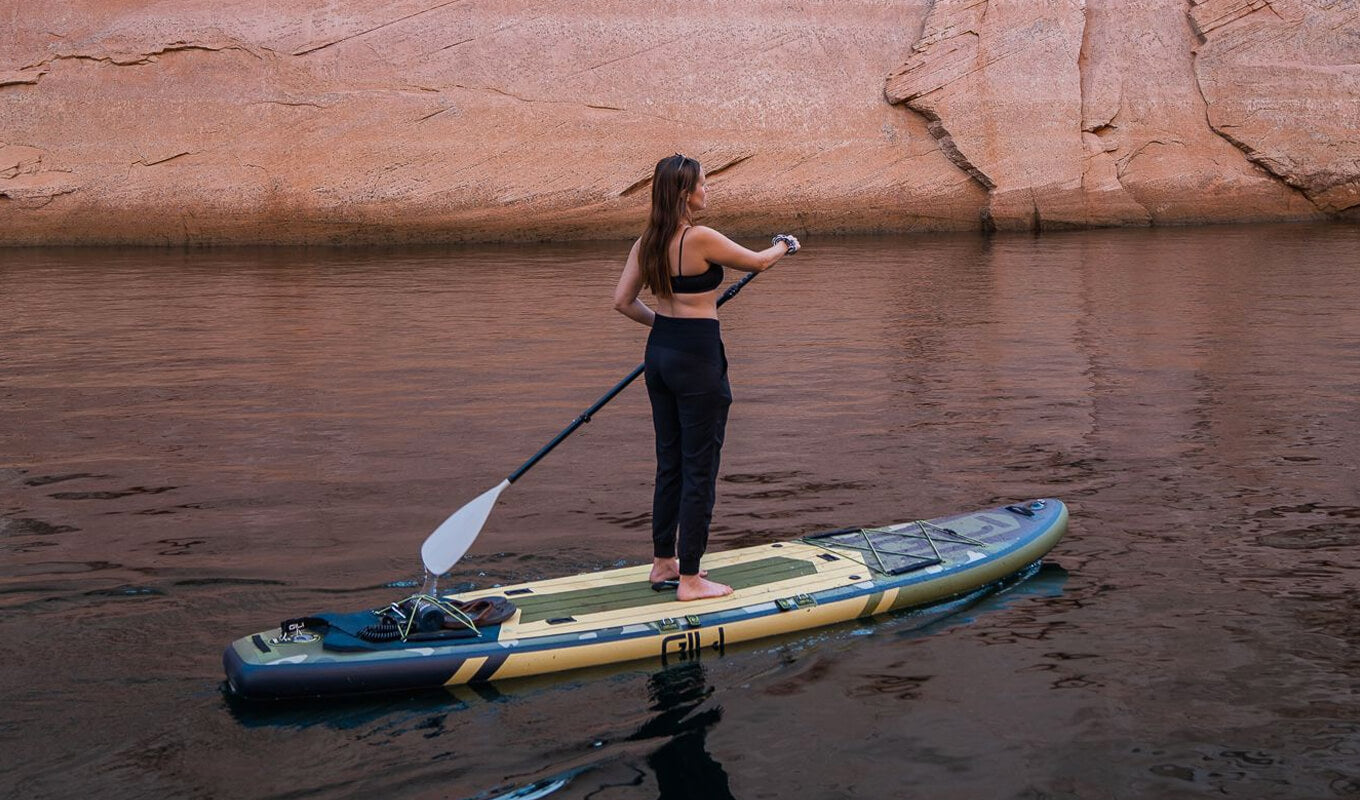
[(705, 281)]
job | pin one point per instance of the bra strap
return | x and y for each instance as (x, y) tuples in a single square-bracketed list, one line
[(680, 259)]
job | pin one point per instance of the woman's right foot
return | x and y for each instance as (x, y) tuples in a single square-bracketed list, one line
[(697, 587), (668, 569)]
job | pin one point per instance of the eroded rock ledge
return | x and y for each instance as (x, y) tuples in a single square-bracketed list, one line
[(191, 122), (1107, 112)]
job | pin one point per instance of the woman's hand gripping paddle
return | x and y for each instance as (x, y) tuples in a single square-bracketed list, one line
[(455, 535)]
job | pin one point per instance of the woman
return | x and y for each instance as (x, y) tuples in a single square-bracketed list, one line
[(686, 368)]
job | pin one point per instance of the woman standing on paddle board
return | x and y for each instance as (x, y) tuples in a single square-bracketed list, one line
[(681, 264)]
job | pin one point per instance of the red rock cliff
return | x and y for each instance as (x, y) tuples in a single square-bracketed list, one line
[(187, 121)]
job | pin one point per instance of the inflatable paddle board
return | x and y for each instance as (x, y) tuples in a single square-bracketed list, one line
[(613, 616)]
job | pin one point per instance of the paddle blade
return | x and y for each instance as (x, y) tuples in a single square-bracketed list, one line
[(455, 535)]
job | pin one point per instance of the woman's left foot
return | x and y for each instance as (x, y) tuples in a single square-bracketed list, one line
[(694, 587)]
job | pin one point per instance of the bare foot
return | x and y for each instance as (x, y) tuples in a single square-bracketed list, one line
[(696, 587), (668, 569)]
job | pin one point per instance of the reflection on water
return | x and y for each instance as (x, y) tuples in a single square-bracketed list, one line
[(194, 445), (682, 765), (683, 697)]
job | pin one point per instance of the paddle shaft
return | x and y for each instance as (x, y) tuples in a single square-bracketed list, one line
[(585, 416)]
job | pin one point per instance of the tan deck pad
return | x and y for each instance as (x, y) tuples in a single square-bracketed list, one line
[(638, 594)]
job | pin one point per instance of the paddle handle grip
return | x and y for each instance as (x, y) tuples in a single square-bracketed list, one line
[(585, 416)]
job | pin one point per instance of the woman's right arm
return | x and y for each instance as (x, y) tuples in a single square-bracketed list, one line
[(626, 299), (721, 250)]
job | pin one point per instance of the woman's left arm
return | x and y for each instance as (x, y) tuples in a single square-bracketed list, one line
[(626, 299)]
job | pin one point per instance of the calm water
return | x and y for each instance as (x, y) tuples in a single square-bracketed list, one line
[(194, 446)]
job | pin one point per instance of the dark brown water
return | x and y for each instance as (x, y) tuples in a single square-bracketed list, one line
[(196, 445)]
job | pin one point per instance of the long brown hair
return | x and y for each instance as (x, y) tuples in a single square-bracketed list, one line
[(675, 177)]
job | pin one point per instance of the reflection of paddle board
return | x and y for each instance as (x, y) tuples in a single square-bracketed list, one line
[(607, 617)]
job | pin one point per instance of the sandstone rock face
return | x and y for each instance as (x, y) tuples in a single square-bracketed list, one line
[(1282, 83), (1001, 86), (1142, 101), (1087, 113), (337, 121)]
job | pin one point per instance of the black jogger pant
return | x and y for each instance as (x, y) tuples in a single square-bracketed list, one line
[(686, 373)]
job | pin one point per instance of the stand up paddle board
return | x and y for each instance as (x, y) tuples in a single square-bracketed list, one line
[(617, 615)]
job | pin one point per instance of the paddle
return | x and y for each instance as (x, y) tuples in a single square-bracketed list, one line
[(455, 535)]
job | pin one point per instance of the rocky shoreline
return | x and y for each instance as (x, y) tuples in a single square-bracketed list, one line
[(195, 123)]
